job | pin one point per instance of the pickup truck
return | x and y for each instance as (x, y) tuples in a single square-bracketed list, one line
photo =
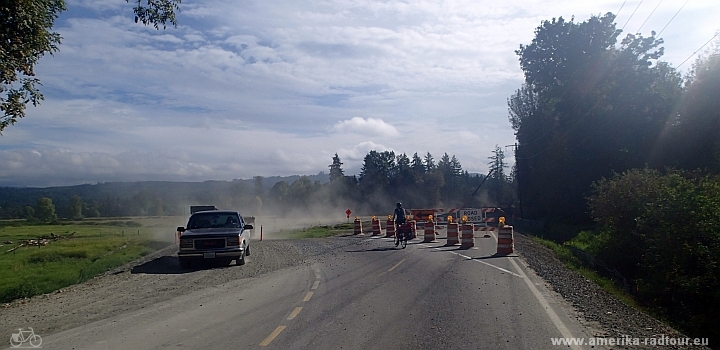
[(217, 235)]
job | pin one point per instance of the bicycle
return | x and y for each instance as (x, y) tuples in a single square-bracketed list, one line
[(403, 234), (22, 336)]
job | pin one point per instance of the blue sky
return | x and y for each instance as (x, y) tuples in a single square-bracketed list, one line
[(245, 88)]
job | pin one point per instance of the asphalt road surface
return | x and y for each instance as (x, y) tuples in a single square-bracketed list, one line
[(369, 295)]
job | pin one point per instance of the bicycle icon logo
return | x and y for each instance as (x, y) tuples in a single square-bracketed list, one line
[(21, 337)]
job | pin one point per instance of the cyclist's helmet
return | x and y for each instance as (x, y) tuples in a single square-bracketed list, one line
[(399, 205)]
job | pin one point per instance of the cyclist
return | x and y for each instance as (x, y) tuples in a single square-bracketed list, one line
[(398, 218)]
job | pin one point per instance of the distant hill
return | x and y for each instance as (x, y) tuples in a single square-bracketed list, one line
[(14, 199)]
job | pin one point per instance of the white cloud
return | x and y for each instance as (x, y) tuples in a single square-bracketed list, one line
[(358, 152), (365, 126), (257, 88)]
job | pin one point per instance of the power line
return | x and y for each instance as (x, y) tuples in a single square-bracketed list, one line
[(673, 17), (621, 7), (633, 14), (701, 47), (651, 13)]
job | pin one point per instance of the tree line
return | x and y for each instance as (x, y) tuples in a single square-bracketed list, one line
[(619, 145), (417, 182), (385, 178)]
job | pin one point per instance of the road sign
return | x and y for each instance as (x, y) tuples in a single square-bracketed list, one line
[(421, 214), (348, 212), (473, 215)]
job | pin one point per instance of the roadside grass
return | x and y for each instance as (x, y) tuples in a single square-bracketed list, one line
[(575, 264), (91, 250), (322, 231)]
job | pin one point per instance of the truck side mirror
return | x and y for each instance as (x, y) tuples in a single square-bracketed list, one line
[(180, 229), (248, 227)]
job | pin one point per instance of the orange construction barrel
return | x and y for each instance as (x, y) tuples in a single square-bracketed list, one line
[(467, 236), (357, 228), (505, 241)]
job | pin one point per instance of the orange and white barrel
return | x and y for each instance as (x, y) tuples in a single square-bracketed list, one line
[(505, 243), (452, 233), (467, 236), (357, 228), (389, 228), (429, 231), (376, 229)]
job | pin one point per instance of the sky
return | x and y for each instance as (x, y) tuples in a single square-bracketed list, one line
[(247, 88)]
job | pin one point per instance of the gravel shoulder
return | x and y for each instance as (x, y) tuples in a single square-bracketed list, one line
[(157, 277), (594, 304)]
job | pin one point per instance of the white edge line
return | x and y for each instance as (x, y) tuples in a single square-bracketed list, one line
[(548, 309), (499, 268)]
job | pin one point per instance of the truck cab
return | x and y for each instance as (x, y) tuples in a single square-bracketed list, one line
[(214, 235)]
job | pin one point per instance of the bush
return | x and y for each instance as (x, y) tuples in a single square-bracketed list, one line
[(663, 232)]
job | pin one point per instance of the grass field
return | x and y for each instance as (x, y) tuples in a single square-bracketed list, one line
[(95, 246), (322, 231), (572, 262)]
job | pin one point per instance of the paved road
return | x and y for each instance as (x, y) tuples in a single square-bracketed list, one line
[(369, 295)]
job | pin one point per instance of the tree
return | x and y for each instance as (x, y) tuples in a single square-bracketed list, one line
[(497, 164), (75, 207), (239, 193), (279, 192), (300, 192), (29, 213), (429, 162), (157, 12), (377, 169), (452, 172), (142, 202), (417, 166), (588, 108), (45, 210), (661, 232), (375, 177), (522, 106), (92, 209), (336, 171), (26, 36), (499, 181), (698, 123)]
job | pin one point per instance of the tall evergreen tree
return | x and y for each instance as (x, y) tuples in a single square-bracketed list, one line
[(336, 171), (429, 162), (497, 174), (418, 168)]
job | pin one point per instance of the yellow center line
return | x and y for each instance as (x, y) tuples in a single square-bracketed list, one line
[(308, 296), (315, 285), (392, 268), (294, 313), (272, 336), (396, 265)]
